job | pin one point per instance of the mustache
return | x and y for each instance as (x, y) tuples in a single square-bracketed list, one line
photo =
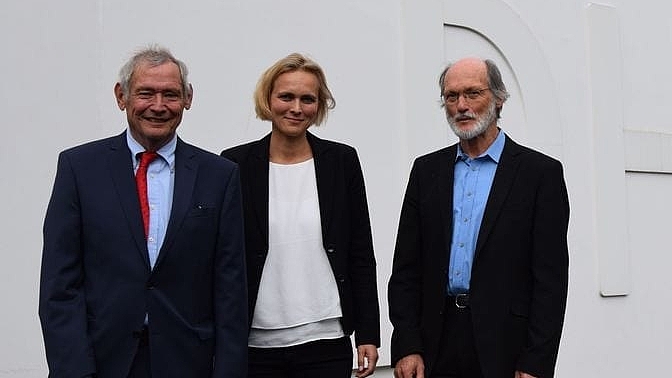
[(466, 116)]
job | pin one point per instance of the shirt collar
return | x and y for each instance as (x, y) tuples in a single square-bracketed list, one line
[(167, 152), (494, 151)]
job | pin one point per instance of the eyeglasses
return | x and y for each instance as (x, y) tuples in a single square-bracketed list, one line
[(469, 95)]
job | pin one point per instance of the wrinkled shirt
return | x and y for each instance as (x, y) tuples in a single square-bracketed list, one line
[(471, 187)]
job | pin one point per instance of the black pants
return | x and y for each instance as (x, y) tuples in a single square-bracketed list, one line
[(457, 356), (322, 358)]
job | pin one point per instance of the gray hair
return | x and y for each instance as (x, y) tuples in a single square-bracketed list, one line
[(155, 55), (495, 82)]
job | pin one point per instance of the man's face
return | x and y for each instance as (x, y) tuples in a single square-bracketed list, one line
[(470, 105), (481, 122), (154, 103)]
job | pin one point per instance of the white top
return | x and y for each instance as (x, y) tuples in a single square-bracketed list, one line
[(298, 298)]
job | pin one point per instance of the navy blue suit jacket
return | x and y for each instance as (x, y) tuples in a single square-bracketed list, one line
[(96, 283), (519, 276)]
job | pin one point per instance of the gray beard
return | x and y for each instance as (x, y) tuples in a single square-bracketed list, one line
[(482, 123)]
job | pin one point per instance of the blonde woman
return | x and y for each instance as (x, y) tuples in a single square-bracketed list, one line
[(310, 261)]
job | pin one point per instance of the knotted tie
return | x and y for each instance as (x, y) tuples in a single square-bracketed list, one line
[(141, 182)]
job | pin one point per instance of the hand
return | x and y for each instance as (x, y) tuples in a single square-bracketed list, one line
[(367, 357), (520, 374), (410, 366)]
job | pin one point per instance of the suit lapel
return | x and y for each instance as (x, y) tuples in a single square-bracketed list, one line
[(258, 162), (258, 165), (121, 169), (501, 185), (325, 178), (186, 169), (444, 182)]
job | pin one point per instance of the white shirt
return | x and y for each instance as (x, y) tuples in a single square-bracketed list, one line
[(298, 299)]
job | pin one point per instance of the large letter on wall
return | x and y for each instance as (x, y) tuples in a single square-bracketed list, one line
[(605, 57)]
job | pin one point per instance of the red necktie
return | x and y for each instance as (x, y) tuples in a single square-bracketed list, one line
[(141, 182)]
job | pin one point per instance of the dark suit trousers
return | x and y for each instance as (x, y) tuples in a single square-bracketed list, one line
[(457, 356)]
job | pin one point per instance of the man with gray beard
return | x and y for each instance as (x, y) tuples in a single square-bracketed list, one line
[(479, 278)]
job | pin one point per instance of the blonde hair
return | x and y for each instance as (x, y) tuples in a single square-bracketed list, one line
[(290, 63)]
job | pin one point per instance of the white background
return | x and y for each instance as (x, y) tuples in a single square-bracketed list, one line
[(590, 86)]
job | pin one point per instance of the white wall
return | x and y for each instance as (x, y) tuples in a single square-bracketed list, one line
[(382, 59)]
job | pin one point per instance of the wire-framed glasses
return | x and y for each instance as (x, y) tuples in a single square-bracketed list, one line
[(469, 95)]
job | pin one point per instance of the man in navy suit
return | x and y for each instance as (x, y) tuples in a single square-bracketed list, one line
[(123, 298), (479, 278)]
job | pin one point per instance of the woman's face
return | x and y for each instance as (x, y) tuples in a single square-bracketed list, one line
[(294, 103)]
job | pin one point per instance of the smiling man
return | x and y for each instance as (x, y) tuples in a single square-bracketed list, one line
[(143, 269), (479, 278)]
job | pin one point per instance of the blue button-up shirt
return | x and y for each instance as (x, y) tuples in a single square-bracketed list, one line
[(160, 182), (473, 180)]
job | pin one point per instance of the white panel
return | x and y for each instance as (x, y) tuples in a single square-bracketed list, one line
[(647, 151), (604, 52), (648, 331), (425, 123)]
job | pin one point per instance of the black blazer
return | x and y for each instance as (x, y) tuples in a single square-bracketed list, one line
[(346, 230), (519, 276), (96, 284)]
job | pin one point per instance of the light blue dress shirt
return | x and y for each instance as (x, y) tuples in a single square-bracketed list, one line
[(473, 180), (160, 183)]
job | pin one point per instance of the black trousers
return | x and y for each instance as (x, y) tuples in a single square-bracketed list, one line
[(322, 358), (457, 357)]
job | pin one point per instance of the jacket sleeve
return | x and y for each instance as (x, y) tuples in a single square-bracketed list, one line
[(404, 287), (550, 262), (362, 261), (231, 287), (62, 302)]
